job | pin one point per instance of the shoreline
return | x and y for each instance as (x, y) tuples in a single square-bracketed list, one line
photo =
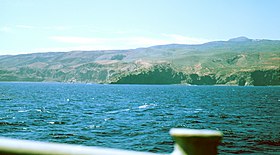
[(87, 83)]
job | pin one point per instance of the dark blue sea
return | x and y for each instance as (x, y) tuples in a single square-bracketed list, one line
[(139, 117)]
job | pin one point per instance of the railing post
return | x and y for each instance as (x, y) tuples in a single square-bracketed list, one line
[(195, 142)]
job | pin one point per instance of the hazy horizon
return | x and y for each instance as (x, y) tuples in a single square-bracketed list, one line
[(93, 50), (60, 26)]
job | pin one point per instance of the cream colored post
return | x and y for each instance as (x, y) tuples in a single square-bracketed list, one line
[(195, 142)]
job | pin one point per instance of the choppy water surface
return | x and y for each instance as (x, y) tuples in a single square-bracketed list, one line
[(139, 117)]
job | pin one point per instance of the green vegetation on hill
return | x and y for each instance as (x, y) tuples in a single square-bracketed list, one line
[(239, 61)]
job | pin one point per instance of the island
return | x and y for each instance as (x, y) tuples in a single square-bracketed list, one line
[(239, 61)]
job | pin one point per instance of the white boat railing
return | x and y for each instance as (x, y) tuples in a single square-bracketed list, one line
[(187, 142)]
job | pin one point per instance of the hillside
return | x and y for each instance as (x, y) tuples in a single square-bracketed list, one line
[(239, 61)]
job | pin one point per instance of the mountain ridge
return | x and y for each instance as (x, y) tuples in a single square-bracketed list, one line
[(233, 62), (236, 39)]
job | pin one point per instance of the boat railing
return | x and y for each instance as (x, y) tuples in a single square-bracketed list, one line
[(187, 142)]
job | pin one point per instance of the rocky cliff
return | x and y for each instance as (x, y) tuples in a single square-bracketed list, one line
[(239, 61)]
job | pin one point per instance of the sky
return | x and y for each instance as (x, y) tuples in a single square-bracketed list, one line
[(29, 26)]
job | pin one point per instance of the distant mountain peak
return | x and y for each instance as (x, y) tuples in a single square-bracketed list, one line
[(239, 39)]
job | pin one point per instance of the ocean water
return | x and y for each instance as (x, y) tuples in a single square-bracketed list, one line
[(139, 117)]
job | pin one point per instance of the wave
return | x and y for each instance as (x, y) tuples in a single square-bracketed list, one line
[(269, 142), (146, 106), (57, 122), (13, 124), (23, 111), (117, 111)]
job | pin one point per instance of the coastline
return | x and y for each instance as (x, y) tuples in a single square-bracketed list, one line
[(142, 84)]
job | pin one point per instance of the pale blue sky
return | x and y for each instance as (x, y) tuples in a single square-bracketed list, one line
[(28, 26)]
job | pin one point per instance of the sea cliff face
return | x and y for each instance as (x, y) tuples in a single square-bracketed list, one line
[(242, 62), (168, 75)]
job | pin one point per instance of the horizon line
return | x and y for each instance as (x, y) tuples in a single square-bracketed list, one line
[(88, 49)]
